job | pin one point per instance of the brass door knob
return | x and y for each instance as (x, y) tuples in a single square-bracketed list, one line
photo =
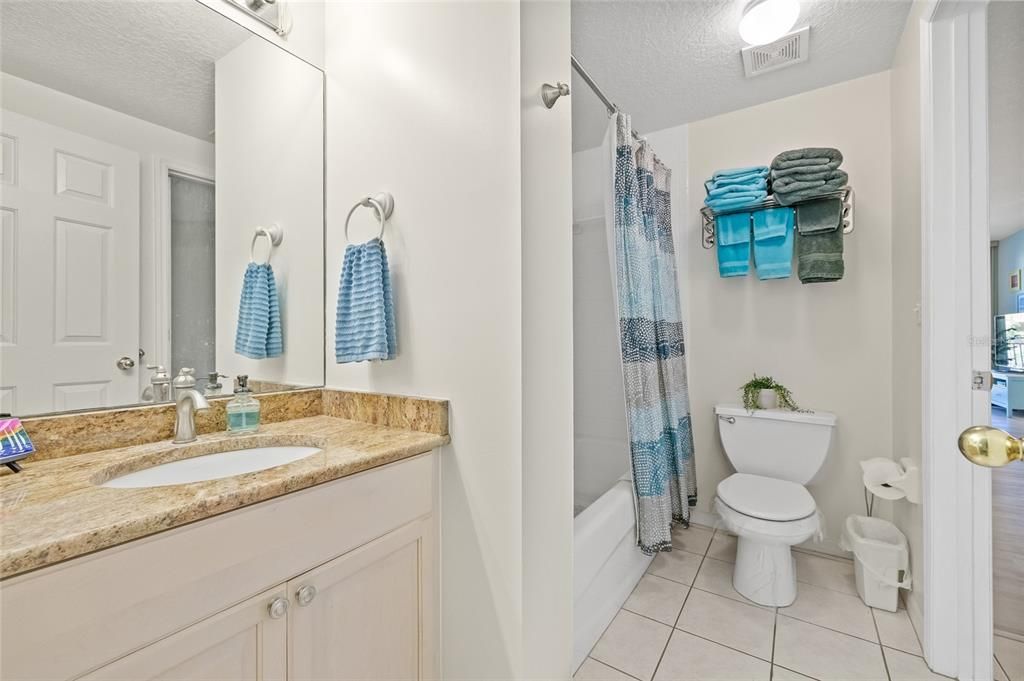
[(988, 446)]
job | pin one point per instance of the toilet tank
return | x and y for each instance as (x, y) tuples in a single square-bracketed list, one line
[(776, 443)]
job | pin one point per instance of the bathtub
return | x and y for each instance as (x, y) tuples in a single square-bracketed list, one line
[(606, 564)]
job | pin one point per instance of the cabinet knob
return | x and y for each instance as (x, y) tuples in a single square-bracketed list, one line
[(305, 594), (278, 608)]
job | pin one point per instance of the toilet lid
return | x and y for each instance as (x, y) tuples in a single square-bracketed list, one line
[(766, 498)]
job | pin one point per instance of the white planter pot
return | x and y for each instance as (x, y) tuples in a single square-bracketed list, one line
[(767, 399)]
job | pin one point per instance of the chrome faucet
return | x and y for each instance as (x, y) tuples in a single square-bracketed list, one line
[(188, 402)]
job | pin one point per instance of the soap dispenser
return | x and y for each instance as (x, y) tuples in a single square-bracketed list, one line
[(243, 409)]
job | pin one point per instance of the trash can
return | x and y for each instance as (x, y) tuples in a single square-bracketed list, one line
[(881, 560)]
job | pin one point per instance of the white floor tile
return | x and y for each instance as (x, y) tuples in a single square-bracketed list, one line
[(825, 654), (1010, 654), (632, 644), (658, 598), (904, 667), (829, 573), (746, 628), (896, 631), (783, 674), (694, 538), (832, 609), (689, 658), (677, 565), (592, 670), (723, 547), (716, 576)]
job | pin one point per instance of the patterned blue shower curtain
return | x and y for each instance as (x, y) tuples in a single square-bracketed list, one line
[(651, 339)]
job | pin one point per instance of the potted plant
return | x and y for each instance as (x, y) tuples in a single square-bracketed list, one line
[(764, 392)]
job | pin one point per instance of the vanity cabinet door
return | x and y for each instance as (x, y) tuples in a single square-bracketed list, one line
[(367, 614), (246, 642)]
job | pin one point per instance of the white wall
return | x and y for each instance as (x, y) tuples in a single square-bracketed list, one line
[(154, 144), (905, 89), (305, 40), (269, 114), (424, 102), (829, 343)]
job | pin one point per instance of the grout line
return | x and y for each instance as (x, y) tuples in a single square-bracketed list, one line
[(775, 628), (588, 657), (885, 661), (719, 643), (794, 671), (1000, 665), (680, 613), (844, 633)]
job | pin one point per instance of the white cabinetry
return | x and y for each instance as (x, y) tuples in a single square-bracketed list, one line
[(333, 582)]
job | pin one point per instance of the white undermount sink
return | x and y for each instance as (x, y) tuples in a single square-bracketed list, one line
[(211, 467)]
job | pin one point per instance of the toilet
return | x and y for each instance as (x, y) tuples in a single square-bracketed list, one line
[(775, 452)]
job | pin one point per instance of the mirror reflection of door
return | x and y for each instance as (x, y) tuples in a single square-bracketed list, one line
[(70, 245)]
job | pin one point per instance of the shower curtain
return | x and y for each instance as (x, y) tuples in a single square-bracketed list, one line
[(638, 218)]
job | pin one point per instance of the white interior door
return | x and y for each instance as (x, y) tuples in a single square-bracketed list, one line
[(69, 268)]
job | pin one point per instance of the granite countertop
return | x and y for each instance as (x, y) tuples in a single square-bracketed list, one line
[(55, 509)]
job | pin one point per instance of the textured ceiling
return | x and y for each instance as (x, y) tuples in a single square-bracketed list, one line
[(1006, 117), (151, 60), (669, 63)]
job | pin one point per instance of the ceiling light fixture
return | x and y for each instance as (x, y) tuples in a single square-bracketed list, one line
[(766, 20)]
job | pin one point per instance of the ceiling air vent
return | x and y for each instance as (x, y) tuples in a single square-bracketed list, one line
[(788, 50)]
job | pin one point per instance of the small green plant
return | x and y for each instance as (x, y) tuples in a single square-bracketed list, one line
[(752, 388)]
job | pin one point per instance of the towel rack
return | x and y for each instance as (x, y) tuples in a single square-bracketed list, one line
[(383, 205), (708, 215), (274, 235)]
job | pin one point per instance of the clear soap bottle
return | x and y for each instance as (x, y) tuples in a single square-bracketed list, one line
[(243, 409)]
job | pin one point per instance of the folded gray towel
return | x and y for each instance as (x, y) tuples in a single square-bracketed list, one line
[(801, 171), (808, 156), (819, 242), (795, 183)]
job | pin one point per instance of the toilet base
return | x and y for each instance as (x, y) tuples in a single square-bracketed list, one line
[(765, 572)]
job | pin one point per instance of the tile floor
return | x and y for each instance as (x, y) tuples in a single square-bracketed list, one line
[(685, 621)]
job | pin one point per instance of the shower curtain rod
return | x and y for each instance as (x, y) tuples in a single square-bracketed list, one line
[(611, 106)]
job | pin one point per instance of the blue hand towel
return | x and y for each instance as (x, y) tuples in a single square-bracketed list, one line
[(773, 243), (258, 335), (733, 244), (365, 325)]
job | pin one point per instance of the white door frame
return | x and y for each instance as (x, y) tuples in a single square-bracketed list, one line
[(955, 291)]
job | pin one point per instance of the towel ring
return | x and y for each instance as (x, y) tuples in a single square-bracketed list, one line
[(274, 234), (383, 205)]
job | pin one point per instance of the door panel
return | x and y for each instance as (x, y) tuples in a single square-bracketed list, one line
[(366, 619), (240, 644), (69, 265)]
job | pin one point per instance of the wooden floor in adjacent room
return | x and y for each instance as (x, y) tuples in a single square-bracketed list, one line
[(1008, 534)]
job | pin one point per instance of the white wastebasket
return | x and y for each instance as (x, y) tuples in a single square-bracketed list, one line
[(881, 560)]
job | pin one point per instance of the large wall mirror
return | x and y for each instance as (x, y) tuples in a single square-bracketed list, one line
[(152, 153)]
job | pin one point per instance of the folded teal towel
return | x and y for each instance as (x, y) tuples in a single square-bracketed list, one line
[(819, 243), (365, 323), (773, 243), (734, 172), (728, 189), (733, 244), (808, 156), (258, 334), (735, 200), (750, 178)]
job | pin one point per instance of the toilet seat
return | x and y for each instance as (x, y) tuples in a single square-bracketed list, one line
[(764, 498)]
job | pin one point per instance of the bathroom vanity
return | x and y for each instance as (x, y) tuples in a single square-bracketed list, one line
[(321, 568)]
